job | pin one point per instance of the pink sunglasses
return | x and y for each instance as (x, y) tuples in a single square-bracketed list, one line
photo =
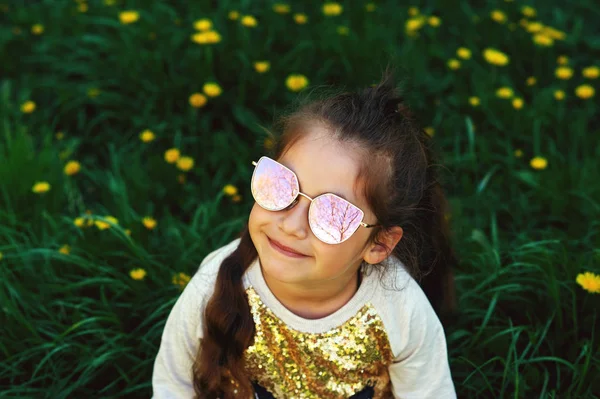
[(332, 219)]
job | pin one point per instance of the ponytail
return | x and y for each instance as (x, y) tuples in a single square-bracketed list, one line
[(228, 330), (436, 258)]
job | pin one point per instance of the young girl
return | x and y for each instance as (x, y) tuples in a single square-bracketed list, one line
[(319, 297)]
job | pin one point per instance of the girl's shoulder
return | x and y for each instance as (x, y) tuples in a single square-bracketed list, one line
[(402, 303)]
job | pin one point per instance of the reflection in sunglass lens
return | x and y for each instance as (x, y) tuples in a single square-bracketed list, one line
[(273, 186), (333, 219)]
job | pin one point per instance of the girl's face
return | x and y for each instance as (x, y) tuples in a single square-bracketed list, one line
[(322, 166)]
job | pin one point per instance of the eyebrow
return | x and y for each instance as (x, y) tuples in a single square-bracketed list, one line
[(325, 192)]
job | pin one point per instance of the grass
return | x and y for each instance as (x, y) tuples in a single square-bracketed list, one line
[(74, 323)]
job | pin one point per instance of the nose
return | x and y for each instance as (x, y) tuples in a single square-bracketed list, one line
[(294, 220)]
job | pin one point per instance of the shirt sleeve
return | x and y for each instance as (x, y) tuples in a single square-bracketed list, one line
[(421, 368), (172, 376)]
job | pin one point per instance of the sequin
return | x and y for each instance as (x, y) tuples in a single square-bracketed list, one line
[(334, 364)]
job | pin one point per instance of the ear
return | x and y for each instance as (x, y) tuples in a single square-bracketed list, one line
[(376, 253)]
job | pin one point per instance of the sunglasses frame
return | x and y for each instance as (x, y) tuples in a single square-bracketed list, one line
[(295, 199)]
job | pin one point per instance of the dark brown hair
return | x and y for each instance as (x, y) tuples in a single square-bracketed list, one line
[(402, 188)]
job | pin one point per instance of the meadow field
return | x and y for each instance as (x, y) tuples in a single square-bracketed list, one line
[(127, 132)]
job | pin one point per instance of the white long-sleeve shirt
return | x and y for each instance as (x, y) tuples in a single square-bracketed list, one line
[(387, 336)]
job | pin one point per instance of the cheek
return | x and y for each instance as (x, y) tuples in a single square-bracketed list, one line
[(258, 216)]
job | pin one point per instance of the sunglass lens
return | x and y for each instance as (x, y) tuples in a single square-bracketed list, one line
[(333, 219), (273, 186)]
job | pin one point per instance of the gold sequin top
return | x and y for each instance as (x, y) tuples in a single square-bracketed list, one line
[(333, 357), (386, 336)]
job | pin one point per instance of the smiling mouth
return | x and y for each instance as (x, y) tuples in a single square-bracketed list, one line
[(285, 250)]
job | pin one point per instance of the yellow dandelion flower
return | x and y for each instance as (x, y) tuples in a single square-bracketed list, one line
[(518, 153), (543, 40), (591, 72), (589, 282), (563, 72), (528, 11), (137, 274), (562, 60), (332, 9), (553, 33), (198, 100), (463, 53), (584, 91), (230, 190), (59, 135), (149, 222), (203, 24), (498, 16), (517, 103), (559, 94), (185, 163), (172, 155), (296, 82), (212, 36), (28, 107), (181, 279), (208, 37), (533, 26), (343, 30), (212, 89), (434, 21), (65, 250), (281, 8), (538, 163), (200, 38), (531, 81), (504, 92), (269, 143), (37, 29), (128, 17), (453, 64), (233, 15), (413, 11), (414, 24), (370, 7), (72, 167), (41, 187), (474, 101), (495, 57), (430, 131), (300, 18), (106, 222), (262, 66), (82, 7), (249, 21), (79, 222), (147, 136)]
